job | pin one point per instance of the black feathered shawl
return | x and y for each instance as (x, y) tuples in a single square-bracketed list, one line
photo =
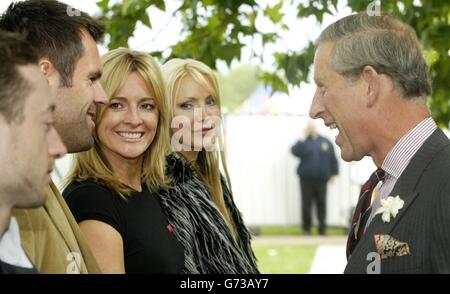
[(199, 226)]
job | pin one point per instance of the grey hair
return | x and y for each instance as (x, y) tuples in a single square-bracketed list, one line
[(383, 42)]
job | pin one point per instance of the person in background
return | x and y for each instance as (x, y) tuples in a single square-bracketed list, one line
[(29, 144), (114, 186), (318, 164), (200, 206), (70, 61)]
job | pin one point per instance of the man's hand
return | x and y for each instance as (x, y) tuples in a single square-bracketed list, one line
[(303, 135)]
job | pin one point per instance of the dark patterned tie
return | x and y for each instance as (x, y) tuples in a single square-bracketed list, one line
[(362, 211)]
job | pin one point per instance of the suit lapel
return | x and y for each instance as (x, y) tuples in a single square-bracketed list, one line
[(407, 183), (57, 216), (67, 226), (405, 187)]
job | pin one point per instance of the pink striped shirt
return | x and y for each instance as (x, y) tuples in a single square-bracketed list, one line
[(399, 157)]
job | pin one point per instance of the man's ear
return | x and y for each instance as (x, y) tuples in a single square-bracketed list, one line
[(51, 74), (372, 79)]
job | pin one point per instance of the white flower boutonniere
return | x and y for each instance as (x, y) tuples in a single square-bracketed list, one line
[(390, 206)]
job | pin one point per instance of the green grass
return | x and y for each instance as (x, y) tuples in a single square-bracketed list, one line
[(295, 230), (284, 259)]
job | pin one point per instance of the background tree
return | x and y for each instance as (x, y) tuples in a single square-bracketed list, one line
[(213, 30), (237, 85)]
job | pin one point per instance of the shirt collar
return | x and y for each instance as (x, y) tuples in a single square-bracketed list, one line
[(400, 155), (11, 250)]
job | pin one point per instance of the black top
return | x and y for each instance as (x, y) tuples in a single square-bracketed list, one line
[(318, 160), (149, 243), (6, 268)]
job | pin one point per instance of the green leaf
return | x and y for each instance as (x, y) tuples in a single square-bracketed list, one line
[(252, 18), (146, 20), (161, 5), (126, 5), (156, 54), (270, 37), (275, 82), (231, 51), (103, 4), (274, 12)]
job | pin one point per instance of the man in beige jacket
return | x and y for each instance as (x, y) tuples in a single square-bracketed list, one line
[(66, 40)]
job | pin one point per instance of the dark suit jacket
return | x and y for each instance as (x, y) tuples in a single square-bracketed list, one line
[(424, 220)]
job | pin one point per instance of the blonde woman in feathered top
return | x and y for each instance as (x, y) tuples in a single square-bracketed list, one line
[(200, 205)]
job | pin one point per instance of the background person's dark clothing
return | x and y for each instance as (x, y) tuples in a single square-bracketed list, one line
[(314, 190), (150, 246), (318, 160), (317, 164)]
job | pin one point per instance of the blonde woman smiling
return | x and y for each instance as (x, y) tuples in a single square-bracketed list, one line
[(113, 186)]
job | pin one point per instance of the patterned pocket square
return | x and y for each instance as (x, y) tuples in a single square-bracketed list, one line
[(387, 246)]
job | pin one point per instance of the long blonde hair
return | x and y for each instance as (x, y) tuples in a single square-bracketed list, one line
[(208, 163), (92, 164)]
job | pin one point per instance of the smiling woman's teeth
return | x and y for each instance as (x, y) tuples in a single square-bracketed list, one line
[(131, 135)]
